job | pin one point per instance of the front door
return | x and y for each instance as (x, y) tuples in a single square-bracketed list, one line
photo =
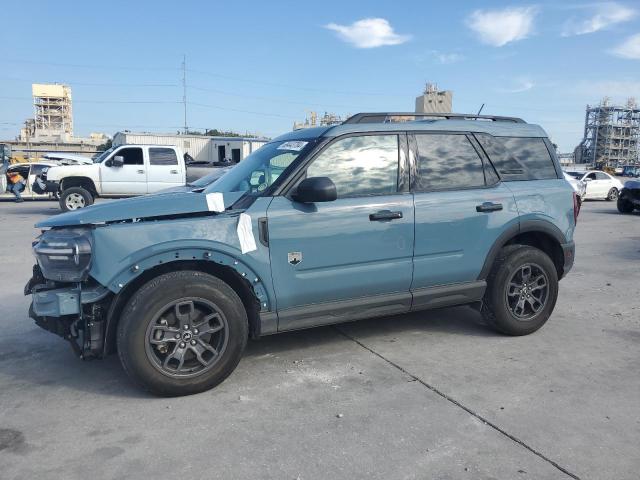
[(164, 171), (130, 178), (461, 210), (352, 256)]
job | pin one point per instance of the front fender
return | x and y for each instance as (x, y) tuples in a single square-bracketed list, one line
[(122, 252), (142, 261)]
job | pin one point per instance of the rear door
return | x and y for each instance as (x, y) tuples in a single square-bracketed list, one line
[(130, 178), (164, 170), (345, 258), (461, 209)]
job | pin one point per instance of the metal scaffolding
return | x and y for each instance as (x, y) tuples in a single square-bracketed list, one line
[(611, 134), (53, 110)]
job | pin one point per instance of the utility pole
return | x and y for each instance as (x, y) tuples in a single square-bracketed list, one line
[(184, 91)]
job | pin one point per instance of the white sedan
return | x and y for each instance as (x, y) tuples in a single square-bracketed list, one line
[(598, 184)]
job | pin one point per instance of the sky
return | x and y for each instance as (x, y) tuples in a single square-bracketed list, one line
[(257, 67)]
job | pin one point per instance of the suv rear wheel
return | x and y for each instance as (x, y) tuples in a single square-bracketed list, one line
[(522, 290), (182, 333), (73, 198), (625, 206)]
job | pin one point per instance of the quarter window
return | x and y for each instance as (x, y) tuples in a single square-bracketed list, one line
[(519, 158), (162, 156), (359, 166), (447, 162)]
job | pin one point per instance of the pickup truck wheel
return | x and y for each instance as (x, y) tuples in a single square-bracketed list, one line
[(73, 198), (182, 333), (522, 290), (624, 205)]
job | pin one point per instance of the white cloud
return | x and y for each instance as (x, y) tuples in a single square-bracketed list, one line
[(447, 58), (604, 15), (368, 33), (520, 85), (499, 27), (630, 48)]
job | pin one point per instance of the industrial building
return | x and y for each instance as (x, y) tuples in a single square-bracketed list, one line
[(51, 128), (434, 101), (326, 120), (201, 148), (611, 135), (53, 107)]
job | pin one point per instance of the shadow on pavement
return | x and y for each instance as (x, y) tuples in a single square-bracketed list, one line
[(47, 361)]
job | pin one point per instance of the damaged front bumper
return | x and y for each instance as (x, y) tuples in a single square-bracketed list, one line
[(75, 312)]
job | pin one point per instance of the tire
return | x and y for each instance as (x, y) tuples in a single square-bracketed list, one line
[(612, 196), (142, 333), (624, 205), (74, 198), (497, 310)]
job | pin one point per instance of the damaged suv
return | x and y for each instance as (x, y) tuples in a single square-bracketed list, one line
[(384, 214)]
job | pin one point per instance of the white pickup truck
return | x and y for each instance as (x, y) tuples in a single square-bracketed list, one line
[(121, 171)]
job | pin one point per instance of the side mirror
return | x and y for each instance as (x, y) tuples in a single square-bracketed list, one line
[(587, 179), (116, 161), (316, 189)]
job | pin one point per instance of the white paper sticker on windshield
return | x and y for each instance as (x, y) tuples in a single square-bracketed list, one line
[(245, 234), (295, 146), (215, 202)]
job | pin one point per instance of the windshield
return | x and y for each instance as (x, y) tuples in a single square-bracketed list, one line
[(210, 178), (260, 169), (99, 157), (577, 175)]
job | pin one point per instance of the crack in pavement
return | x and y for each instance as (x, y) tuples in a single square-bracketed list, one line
[(460, 405)]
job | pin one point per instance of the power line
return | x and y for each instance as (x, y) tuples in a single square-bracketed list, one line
[(267, 114), (78, 65), (275, 99)]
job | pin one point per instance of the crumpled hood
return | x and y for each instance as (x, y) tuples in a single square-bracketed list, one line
[(148, 206)]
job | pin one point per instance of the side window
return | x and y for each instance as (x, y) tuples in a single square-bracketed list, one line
[(359, 166), (132, 156), (591, 176), (519, 158), (602, 176), (447, 161), (36, 169), (162, 156)]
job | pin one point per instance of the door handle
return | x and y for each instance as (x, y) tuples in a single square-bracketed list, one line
[(384, 215), (174, 172), (489, 207), (140, 171)]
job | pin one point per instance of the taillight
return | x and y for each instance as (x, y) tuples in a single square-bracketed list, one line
[(576, 207)]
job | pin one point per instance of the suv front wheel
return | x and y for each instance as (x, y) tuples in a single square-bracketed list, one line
[(522, 290), (183, 332)]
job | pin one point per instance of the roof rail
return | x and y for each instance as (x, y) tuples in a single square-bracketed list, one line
[(387, 117)]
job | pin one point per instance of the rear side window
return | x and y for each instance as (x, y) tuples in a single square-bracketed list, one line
[(162, 156), (517, 158), (447, 161)]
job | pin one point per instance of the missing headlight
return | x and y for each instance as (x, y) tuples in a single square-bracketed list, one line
[(64, 255)]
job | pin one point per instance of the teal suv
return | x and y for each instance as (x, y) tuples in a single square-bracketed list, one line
[(384, 214)]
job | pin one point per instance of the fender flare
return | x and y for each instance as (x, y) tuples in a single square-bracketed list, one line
[(138, 267), (532, 225), (120, 282)]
